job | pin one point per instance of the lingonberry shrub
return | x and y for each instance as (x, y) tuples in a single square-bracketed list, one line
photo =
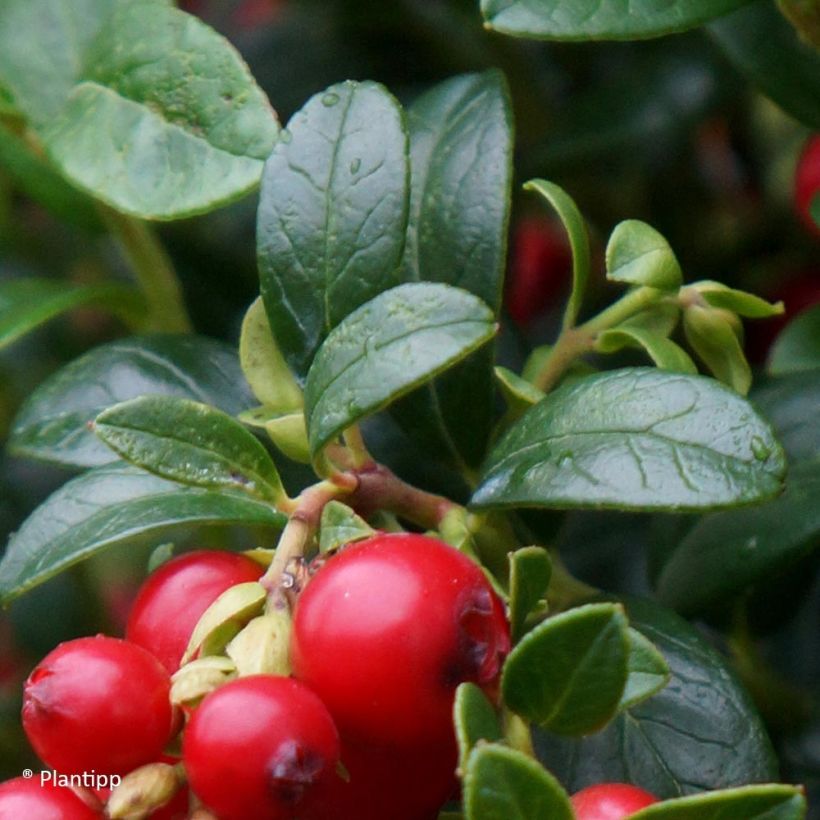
[(610, 801), (27, 798)]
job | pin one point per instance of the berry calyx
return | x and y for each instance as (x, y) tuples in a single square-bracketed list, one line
[(610, 801), (169, 604), (807, 182), (388, 628), (97, 704), (263, 747)]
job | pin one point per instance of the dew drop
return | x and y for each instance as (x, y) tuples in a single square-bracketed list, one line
[(355, 165), (759, 448), (330, 99)]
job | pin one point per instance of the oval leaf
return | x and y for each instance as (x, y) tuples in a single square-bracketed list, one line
[(53, 423), (740, 302), (381, 351), (475, 719), (114, 505), (635, 439), (332, 214), (192, 443), (530, 572), (340, 526), (768, 802), (798, 346), (664, 352), (639, 255), (648, 671)]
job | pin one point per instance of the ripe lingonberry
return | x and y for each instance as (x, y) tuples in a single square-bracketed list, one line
[(171, 601), (386, 631), (97, 704), (262, 747), (807, 182), (26, 799), (610, 801)]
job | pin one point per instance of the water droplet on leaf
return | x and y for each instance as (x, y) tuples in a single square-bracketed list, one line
[(330, 99)]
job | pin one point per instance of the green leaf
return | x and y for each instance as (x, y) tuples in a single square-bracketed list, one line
[(332, 215), (286, 430), (167, 120), (28, 303), (519, 394), (53, 423), (503, 784), (385, 348), (635, 439), (666, 354), (648, 672), (724, 554), (766, 802), (340, 526), (576, 230), (766, 49), (191, 443), (116, 505), (797, 347), (740, 302), (639, 255), (700, 732), (530, 572), (568, 674), (600, 19), (461, 145), (475, 719)]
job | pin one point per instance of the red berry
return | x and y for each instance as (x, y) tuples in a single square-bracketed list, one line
[(262, 747), (610, 801), (386, 631), (26, 799), (97, 704), (171, 601), (807, 181)]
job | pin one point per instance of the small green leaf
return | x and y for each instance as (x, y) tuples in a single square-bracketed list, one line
[(714, 340), (647, 669), (340, 526), (264, 366), (745, 304), (600, 19), (639, 255), (28, 303), (530, 572), (190, 442), (659, 320), (576, 230), (399, 340), (635, 439), (664, 352), (535, 361), (772, 801), (475, 719), (332, 214), (797, 348), (286, 430), (519, 394), (114, 505), (504, 784), (569, 673)]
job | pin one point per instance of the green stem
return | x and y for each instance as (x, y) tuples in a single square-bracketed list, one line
[(153, 270), (625, 308)]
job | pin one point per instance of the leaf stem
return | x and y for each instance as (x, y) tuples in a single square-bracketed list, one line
[(359, 454)]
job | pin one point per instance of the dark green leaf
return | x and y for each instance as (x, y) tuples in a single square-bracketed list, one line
[(333, 214), (639, 255), (726, 553), (53, 423), (568, 674), (636, 439), (798, 346), (503, 784), (114, 505), (648, 671), (530, 571), (700, 732), (600, 19), (766, 49), (475, 719), (385, 348), (767, 802), (340, 526), (665, 353), (713, 338), (190, 442), (167, 121), (27, 303)]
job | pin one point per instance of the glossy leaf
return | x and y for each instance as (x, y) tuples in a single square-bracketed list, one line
[(635, 439), (698, 733), (399, 340), (166, 121), (600, 19), (767, 802), (340, 526), (666, 354), (504, 784), (333, 214), (116, 505), (28, 303), (726, 553), (648, 672), (475, 719), (190, 442), (530, 572), (637, 254), (766, 49), (53, 423), (569, 673), (797, 347)]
